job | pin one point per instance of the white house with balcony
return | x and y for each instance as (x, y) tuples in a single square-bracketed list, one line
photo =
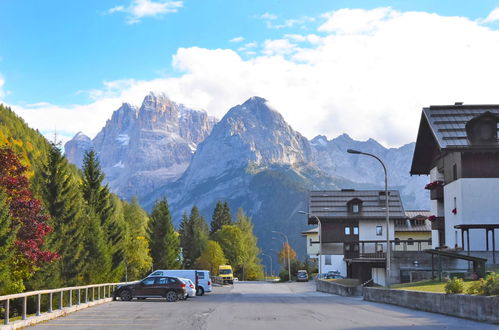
[(458, 147)]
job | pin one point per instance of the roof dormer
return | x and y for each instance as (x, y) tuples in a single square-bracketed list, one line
[(482, 129), (354, 205)]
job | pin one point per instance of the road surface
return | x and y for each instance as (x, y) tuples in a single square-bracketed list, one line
[(257, 305)]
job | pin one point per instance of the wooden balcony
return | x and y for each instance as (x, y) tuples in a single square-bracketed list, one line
[(437, 193), (377, 249)]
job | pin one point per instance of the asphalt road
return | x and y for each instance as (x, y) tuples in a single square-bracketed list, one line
[(257, 305)]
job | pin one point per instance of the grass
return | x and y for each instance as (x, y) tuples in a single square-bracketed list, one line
[(427, 286)]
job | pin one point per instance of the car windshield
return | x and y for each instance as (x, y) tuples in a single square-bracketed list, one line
[(225, 271)]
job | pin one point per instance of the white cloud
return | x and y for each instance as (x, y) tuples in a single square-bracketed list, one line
[(237, 39), (143, 8), (278, 47), (492, 17), (368, 73), (268, 16), (2, 82)]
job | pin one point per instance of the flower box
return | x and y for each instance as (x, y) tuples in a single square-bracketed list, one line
[(434, 185)]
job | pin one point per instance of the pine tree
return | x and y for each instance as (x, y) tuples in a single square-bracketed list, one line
[(62, 200), (221, 216), (137, 257), (226, 215), (164, 244), (98, 217), (193, 237), (7, 248)]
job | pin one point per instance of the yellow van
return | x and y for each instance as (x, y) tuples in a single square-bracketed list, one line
[(225, 272)]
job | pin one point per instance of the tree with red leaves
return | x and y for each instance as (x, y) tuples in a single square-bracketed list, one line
[(27, 218)]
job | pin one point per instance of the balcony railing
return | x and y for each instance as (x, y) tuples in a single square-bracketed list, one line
[(377, 249)]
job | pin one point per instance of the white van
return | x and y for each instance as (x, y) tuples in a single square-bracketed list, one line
[(201, 278)]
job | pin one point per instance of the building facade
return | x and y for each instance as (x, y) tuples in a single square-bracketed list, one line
[(458, 147), (353, 230)]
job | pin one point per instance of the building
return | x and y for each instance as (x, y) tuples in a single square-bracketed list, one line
[(353, 230), (312, 241), (414, 231), (457, 146)]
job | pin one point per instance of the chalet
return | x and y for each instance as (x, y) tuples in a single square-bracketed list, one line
[(353, 230), (458, 147), (414, 232)]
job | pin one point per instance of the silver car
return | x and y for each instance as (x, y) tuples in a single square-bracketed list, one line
[(189, 287)]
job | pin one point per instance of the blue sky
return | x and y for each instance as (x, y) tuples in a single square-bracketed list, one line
[(85, 57)]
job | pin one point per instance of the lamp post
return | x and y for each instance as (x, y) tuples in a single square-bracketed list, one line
[(320, 240), (387, 208), (270, 257), (287, 252)]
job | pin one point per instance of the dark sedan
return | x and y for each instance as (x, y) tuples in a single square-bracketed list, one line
[(170, 288)]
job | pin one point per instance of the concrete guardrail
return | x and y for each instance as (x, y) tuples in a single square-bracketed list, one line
[(478, 308), (339, 289)]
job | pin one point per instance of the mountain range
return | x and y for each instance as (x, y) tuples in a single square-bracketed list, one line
[(251, 157)]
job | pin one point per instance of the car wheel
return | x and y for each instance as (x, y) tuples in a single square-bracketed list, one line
[(199, 291), (171, 296), (126, 295)]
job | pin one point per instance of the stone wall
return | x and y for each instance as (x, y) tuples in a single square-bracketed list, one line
[(478, 308), (335, 288)]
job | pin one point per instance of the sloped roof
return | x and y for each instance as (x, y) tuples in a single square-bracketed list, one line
[(417, 213), (332, 204), (443, 127), (311, 231)]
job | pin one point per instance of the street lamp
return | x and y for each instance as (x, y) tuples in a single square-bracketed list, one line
[(320, 240), (352, 151), (287, 250), (270, 257)]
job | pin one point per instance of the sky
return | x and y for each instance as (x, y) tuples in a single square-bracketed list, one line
[(365, 68)]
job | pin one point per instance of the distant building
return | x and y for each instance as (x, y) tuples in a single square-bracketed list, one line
[(353, 230), (457, 145), (414, 232), (312, 241)]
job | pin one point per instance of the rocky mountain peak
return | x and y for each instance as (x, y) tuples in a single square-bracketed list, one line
[(80, 136)]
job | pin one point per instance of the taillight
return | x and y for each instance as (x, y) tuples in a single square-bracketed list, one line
[(192, 286), (209, 282), (182, 285)]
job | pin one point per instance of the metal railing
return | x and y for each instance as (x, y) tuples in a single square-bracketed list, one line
[(84, 295), (376, 249)]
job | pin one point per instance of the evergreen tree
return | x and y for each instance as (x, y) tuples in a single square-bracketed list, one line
[(221, 216), (98, 217), (193, 237), (137, 257), (7, 249), (62, 200), (164, 244), (115, 233)]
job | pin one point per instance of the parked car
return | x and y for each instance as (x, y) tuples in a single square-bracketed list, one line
[(189, 287), (200, 278), (333, 275), (302, 276), (170, 288)]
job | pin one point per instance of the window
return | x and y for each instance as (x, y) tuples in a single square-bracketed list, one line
[(327, 260), (356, 247), (410, 241), (347, 230), (379, 248), (310, 244), (397, 241), (347, 247), (200, 275), (356, 230), (355, 208), (159, 273), (161, 280), (148, 281), (379, 230)]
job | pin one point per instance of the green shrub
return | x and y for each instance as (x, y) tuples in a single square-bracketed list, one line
[(490, 285), (476, 287), (455, 285)]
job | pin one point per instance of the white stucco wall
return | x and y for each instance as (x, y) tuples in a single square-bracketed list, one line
[(313, 250), (367, 232), (337, 264), (476, 202), (379, 276)]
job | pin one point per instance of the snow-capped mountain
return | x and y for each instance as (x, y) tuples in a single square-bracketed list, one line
[(141, 149)]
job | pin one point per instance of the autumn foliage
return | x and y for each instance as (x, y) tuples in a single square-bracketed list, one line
[(28, 219)]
